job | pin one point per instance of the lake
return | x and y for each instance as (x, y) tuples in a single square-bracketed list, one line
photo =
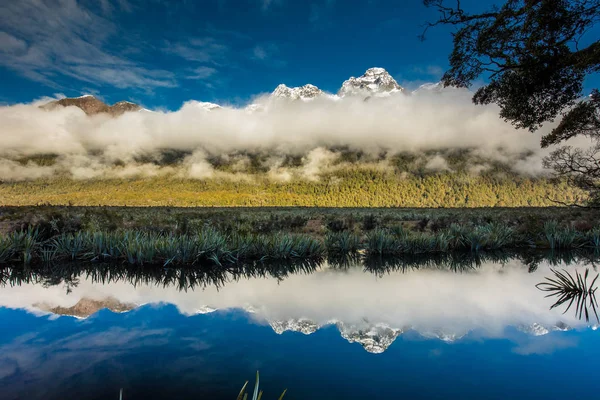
[(427, 330)]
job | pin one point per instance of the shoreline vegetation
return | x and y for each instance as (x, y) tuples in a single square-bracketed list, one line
[(170, 237)]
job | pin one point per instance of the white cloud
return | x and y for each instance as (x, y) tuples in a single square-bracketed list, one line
[(267, 53), (200, 49), (10, 44), (437, 163), (259, 53), (202, 73), (430, 122), (433, 71), (46, 40)]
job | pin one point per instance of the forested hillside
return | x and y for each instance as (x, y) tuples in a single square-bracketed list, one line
[(345, 188)]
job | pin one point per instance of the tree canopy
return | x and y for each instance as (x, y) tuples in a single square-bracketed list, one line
[(534, 55)]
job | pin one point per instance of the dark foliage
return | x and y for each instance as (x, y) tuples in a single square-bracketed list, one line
[(535, 55)]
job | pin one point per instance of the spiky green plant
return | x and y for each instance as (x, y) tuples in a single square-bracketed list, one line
[(443, 241), (342, 243), (419, 243), (593, 238), (71, 246), (212, 246), (256, 394), (498, 236), (6, 250), (380, 242), (456, 236), (139, 248), (25, 244), (103, 245), (307, 247), (560, 237), (569, 288)]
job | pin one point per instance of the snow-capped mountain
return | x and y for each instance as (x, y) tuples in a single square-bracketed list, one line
[(536, 329), (306, 92), (375, 81), (204, 105), (205, 310), (301, 325), (374, 338), (429, 87), (443, 336)]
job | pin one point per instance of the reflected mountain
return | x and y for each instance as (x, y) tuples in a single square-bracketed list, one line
[(370, 304), (86, 307)]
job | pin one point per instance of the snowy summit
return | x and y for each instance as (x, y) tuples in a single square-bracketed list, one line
[(375, 81)]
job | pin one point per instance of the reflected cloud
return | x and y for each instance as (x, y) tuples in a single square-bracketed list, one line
[(544, 345), (369, 308), (48, 360)]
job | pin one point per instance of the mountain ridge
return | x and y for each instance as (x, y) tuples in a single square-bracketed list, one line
[(375, 338), (375, 81), (93, 106)]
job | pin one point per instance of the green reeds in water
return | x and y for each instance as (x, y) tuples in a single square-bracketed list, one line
[(141, 248), (492, 236), (381, 242), (25, 244), (560, 238), (6, 250), (256, 395), (398, 241), (593, 238), (572, 289), (71, 246), (211, 247)]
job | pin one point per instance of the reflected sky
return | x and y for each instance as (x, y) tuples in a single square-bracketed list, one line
[(486, 332), (431, 301), (157, 352)]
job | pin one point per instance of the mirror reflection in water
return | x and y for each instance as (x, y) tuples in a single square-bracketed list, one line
[(286, 320)]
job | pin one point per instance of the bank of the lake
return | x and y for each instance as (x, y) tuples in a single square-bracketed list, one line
[(220, 236)]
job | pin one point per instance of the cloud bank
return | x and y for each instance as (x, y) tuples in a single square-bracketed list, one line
[(488, 299), (312, 132)]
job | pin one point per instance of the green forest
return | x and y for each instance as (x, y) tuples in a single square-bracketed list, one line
[(353, 187)]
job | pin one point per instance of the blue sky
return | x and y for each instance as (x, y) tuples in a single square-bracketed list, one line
[(161, 53)]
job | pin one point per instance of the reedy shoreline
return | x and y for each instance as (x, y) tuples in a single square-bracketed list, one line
[(211, 247)]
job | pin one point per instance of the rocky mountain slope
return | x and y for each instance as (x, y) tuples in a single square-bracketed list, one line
[(86, 307), (92, 106)]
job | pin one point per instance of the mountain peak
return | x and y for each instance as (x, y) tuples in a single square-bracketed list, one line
[(306, 92), (203, 105), (376, 71), (375, 81), (91, 105)]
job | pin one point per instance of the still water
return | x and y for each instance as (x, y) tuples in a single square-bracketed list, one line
[(482, 332)]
